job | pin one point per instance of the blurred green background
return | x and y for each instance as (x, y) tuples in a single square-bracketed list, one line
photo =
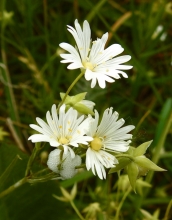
[(31, 78)]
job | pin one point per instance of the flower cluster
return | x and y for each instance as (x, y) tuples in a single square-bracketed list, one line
[(75, 129), (71, 132)]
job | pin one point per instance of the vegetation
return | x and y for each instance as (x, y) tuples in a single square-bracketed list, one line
[(31, 79)]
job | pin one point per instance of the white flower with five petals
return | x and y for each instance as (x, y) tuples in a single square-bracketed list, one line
[(65, 129), (99, 63), (108, 137)]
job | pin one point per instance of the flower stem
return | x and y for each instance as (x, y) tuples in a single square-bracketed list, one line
[(81, 166), (76, 210), (69, 89), (13, 187), (32, 158), (121, 203)]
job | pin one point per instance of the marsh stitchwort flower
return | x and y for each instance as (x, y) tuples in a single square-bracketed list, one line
[(108, 137), (65, 129), (98, 63)]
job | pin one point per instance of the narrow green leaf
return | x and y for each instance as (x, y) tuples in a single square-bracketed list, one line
[(162, 128), (123, 162), (132, 171), (146, 163), (141, 149), (8, 170), (77, 178)]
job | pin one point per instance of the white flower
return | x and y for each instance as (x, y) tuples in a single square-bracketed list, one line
[(99, 63), (108, 136), (62, 130), (67, 163)]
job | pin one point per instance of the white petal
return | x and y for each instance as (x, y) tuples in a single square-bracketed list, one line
[(89, 74), (94, 164), (97, 48), (39, 138), (93, 82), (88, 103), (109, 53)]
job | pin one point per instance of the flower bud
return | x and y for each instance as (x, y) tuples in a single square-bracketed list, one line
[(77, 102)]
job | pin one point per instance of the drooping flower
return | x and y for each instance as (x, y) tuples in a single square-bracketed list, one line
[(108, 137), (65, 166), (99, 63), (65, 129)]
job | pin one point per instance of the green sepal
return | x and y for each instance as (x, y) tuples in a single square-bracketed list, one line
[(140, 150), (140, 185), (132, 171), (142, 161), (83, 109), (72, 100), (131, 150), (67, 100), (123, 162)]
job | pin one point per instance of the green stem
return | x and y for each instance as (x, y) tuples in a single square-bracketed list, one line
[(159, 146), (76, 210), (81, 166), (167, 213), (13, 187), (32, 158), (69, 89), (121, 203), (83, 155), (5, 71), (47, 34)]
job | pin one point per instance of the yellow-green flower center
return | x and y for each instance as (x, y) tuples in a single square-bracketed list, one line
[(88, 65), (96, 144), (63, 140)]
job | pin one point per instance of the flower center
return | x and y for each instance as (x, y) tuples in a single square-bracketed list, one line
[(63, 140), (96, 144), (88, 65)]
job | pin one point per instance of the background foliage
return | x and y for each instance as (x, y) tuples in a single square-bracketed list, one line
[(31, 78)]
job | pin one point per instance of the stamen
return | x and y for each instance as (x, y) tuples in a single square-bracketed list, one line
[(63, 140), (88, 65), (96, 144)]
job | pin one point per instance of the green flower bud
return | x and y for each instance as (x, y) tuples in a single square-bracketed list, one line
[(132, 171), (67, 197), (77, 102), (6, 17)]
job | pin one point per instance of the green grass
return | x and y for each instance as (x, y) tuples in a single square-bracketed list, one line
[(33, 77)]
